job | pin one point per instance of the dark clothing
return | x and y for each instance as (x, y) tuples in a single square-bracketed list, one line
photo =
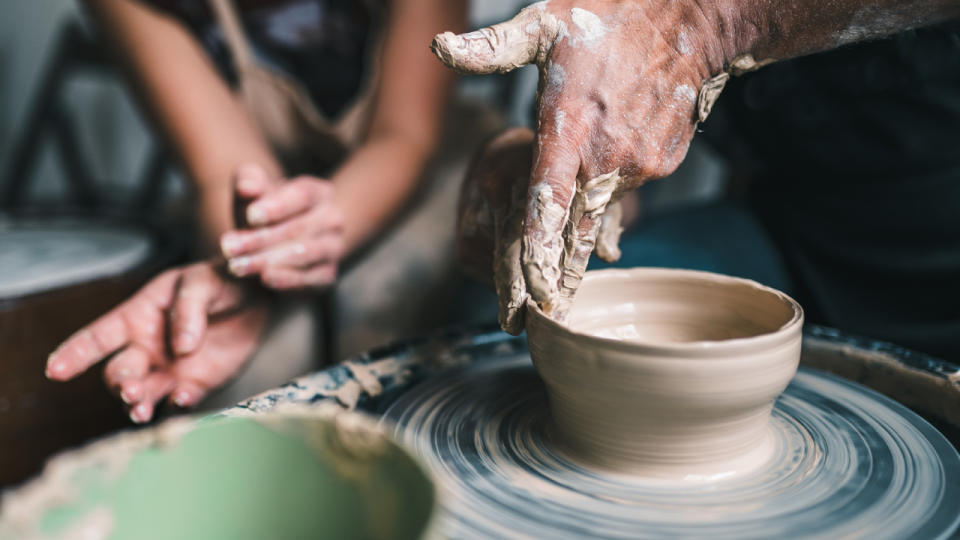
[(325, 45), (855, 166)]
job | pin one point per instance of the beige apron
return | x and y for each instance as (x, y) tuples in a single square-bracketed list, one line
[(303, 138), (399, 288), (305, 142)]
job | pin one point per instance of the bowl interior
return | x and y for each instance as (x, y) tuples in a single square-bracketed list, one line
[(676, 306), (241, 478)]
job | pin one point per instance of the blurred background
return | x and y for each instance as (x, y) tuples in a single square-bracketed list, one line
[(114, 143), (91, 206)]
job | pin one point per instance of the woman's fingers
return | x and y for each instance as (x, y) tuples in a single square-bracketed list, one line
[(500, 48), (134, 319), (156, 386), (187, 393), (309, 252), (130, 364), (296, 240), (196, 290), (285, 278), (251, 181), (322, 218), (288, 200)]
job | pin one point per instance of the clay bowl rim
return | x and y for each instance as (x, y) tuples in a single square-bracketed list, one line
[(692, 349)]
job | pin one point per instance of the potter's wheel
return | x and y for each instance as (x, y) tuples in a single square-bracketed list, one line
[(848, 462)]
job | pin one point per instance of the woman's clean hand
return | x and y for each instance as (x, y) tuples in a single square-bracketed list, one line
[(185, 333), (294, 235)]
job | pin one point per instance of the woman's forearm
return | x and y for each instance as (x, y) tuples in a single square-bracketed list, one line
[(374, 184), (411, 102), (190, 104)]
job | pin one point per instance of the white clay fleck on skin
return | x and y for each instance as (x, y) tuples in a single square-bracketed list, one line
[(556, 75), (683, 44), (685, 93), (873, 22), (558, 123), (538, 192), (591, 27)]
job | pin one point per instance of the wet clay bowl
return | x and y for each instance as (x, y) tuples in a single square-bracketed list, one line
[(306, 473), (667, 373)]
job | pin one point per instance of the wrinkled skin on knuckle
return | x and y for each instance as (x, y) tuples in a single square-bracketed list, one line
[(642, 113), (618, 92)]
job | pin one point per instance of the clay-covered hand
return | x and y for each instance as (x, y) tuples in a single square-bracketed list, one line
[(294, 235), (617, 106), (185, 333)]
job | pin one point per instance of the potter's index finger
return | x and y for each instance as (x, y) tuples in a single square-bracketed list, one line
[(496, 49), (551, 189)]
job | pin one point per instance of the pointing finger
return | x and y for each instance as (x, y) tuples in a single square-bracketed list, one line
[(88, 346), (112, 331)]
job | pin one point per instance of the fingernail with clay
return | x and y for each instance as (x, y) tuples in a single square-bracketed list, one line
[(239, 266), (256, 215), (229, 245), (140, 413), (182, 399)]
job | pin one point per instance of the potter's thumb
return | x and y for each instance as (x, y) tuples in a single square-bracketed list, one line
[(496, 49)]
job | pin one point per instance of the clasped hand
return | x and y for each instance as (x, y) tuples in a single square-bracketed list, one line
[(193, 328)]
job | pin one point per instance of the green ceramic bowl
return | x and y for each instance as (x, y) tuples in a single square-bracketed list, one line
[(317, 473)]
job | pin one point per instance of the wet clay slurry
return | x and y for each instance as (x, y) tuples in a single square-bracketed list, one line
[(845, 463), (668, 373)]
